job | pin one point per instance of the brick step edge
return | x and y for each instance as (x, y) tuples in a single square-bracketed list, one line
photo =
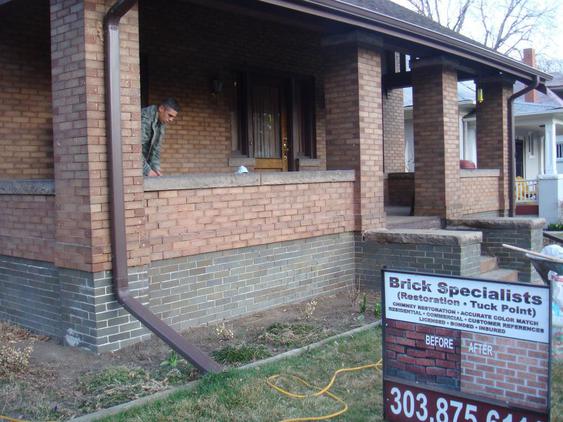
[(501, 274), (488, 263)]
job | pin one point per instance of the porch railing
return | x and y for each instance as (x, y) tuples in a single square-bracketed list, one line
[(526, 190)]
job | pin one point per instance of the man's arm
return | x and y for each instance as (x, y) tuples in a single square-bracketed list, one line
[(146, 133), (146, 168), (154, 158), (154, 154)]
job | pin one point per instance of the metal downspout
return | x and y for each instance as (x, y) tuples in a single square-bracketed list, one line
[(117, 203), (511, 145)]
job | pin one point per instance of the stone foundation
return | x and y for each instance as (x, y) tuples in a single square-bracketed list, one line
[(80, 308), (29, 295), (429, 251)]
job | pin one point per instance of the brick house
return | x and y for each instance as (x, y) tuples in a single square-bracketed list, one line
[(306, 94)]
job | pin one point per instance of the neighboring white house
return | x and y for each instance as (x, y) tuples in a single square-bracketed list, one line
[(467, 124), (538, 143), (538, 136), (534, 124)]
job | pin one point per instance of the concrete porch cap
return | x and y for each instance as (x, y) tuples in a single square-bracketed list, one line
[(227, 180), (27, 187), (498, 223), (424, 237)]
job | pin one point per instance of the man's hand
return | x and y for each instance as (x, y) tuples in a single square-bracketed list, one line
[(154, 173)]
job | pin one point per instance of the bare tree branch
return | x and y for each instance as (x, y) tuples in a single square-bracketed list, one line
[(506, 24), (458, 25)]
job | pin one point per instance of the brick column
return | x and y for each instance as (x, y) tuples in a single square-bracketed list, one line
[(436, 139), (394, 131), (492, 133), (81, 172), (91, 317), (354, 134), (70, 136)]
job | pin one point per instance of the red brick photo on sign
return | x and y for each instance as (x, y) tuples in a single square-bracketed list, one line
[(432, 354)]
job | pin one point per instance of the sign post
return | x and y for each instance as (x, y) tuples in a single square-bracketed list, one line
[(462, 349)]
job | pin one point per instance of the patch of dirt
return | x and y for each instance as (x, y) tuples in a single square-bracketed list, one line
[(59, 381)]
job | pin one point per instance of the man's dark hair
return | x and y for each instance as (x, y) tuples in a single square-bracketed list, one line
[(171, 103)]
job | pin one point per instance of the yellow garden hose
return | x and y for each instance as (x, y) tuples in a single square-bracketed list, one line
[(323, 391), (7, 419)]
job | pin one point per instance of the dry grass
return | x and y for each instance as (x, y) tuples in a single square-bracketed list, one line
[(15, 350), (244, 395)]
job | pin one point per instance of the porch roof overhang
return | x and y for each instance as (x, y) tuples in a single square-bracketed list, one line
[(346, 12), (361, 17)]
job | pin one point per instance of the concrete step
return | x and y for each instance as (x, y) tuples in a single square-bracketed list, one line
[(402, 222), (500, 274), (488, 263)]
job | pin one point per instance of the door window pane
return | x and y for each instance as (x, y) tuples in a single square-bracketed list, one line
[(265, 121)]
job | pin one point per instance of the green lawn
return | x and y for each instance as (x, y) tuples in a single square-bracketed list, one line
[(243, 395)]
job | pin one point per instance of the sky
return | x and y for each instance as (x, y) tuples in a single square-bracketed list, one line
[(547, 40)]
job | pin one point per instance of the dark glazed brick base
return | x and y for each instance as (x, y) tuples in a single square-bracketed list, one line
[(29, 295)]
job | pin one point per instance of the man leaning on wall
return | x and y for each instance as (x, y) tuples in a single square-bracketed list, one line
[(154, 119)]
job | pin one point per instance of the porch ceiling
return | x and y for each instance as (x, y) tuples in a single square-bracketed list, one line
[(537, 121), (367, 17), (538, 128), (329, 17)]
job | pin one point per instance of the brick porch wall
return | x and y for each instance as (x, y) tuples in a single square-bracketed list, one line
[(189, 222), (214, 45), (478, 193), (27, 226), (25, 91)]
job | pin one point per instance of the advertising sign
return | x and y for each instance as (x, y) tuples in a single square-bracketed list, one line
[(461, 349)]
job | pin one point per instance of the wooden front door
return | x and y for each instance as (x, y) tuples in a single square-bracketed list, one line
[(268, 123)]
